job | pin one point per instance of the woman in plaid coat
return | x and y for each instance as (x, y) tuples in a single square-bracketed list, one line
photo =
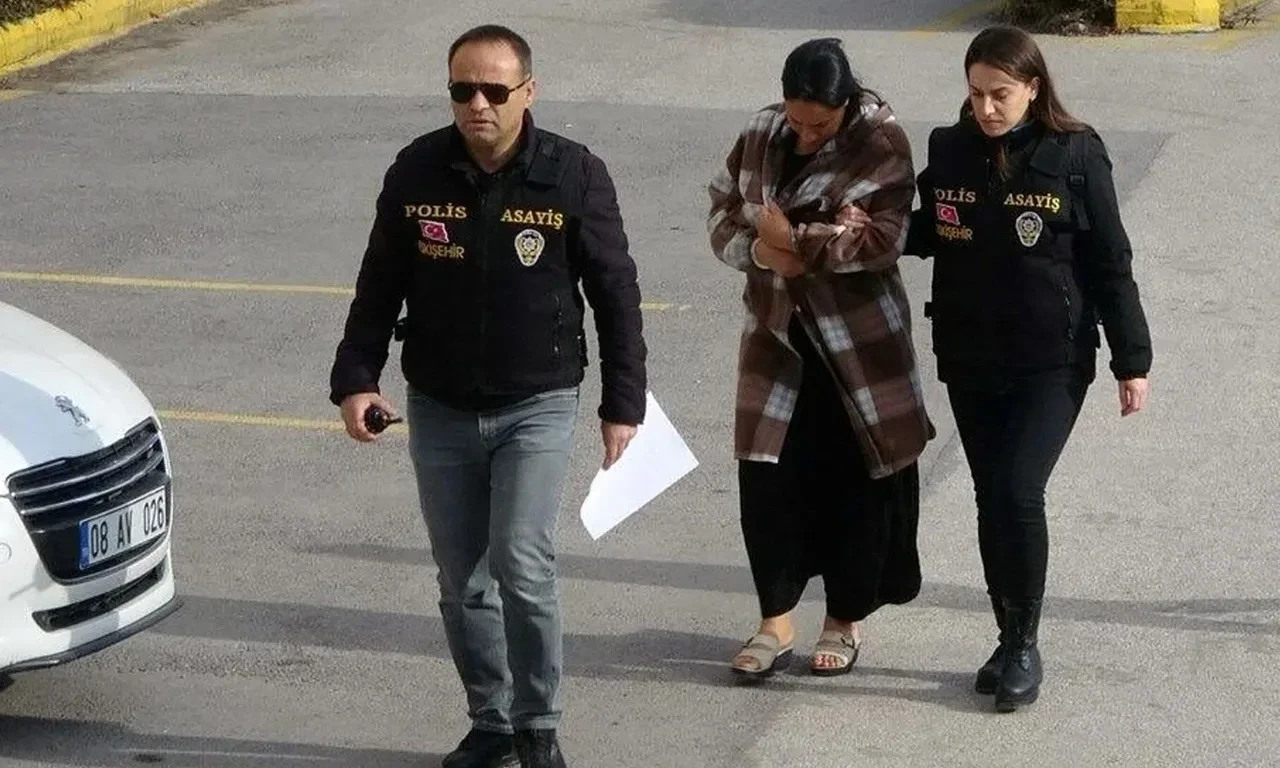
[(830, 416)]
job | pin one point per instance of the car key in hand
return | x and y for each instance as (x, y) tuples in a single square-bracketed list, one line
[(376, 420)]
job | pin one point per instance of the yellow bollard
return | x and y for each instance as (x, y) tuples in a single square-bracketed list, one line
[(1168, 15)]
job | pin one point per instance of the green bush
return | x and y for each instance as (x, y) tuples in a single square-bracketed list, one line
[(16, 10)]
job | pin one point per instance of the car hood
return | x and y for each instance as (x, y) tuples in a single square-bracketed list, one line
[(58, 396)]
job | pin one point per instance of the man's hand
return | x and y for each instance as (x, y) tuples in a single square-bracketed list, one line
[(784, 263), (774, 228), (616, 439), (1133, 395), (353, 408)]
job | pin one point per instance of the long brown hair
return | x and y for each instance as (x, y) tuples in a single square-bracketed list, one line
[(1014, 52)]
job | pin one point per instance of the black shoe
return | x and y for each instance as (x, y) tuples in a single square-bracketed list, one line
[(989, 673), (483, 749), (1021, 673), (539, 749)]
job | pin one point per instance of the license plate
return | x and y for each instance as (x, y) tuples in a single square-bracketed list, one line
[(105, 536)]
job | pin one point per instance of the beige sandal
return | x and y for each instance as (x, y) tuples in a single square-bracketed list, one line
[(768, 654), (834, 643)]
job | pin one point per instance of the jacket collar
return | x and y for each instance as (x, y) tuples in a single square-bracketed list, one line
[(461, 160), (1026, 140), (1018, 138), (1022, 135)]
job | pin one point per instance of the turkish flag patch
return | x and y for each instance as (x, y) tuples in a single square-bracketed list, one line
[(434, 231), (949, 214)]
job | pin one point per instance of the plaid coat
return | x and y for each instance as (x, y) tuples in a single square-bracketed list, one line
[(851, 300)]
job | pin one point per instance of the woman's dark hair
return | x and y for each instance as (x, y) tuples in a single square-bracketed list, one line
[(818, 71), (1014, 52)]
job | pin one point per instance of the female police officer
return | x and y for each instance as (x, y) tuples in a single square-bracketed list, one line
[(1019, 213)]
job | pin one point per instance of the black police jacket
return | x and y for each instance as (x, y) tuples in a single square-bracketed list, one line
[(1025, 267), (488, 268)]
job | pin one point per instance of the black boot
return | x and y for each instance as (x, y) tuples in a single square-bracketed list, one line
[(539, 749), (989, 673), (483, 749), (1020, 675)]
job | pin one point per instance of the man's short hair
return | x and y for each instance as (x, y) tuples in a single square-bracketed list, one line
[(495, 33)]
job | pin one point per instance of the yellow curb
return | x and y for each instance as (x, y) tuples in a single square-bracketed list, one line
[(59, 31), (1167, 16)]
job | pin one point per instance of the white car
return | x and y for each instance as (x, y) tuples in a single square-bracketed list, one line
[(85, 500)]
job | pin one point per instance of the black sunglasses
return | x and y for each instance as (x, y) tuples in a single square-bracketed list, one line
[(494, 93)]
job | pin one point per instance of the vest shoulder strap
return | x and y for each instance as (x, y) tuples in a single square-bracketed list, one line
[(555, 155), (1077, 145)]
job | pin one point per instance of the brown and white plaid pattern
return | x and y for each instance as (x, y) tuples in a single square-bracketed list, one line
[(851, 299)]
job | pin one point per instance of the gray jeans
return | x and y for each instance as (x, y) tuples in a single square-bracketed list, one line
[(490, 484)]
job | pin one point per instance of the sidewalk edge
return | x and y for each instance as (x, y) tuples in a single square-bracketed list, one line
[(59, 31)]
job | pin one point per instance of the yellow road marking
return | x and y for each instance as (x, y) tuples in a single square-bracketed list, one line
[(191, 285), (11, 94), (250, 420), (206, 285), (958, 19)]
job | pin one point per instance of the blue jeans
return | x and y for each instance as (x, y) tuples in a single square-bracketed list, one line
[(490, 485)]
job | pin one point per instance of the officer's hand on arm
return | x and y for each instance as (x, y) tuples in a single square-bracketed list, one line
[(353, 412), (616, 439), (1133, 395), (920, 229), (853, 217)]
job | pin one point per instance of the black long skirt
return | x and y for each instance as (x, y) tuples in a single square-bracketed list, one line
[(818, 512)]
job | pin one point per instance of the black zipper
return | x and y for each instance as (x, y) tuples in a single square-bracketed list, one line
[(490, 199), (482, 238), (555, 331), (1066, 300)]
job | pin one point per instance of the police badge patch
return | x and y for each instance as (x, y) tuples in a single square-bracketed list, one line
[(1029, 226), (529, 245)]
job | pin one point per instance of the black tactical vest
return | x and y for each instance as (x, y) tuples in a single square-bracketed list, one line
[(494, 309), (1008, 291)]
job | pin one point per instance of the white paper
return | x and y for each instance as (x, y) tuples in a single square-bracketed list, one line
[(656, 458)]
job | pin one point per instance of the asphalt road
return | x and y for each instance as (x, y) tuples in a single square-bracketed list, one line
[(245, 141)]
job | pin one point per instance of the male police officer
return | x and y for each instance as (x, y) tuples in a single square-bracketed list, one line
[(484, 230)]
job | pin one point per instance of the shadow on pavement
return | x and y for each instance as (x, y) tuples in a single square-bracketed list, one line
[(79, 743), (648, 656), (1193, 615), (664, 656), (953, 690)]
